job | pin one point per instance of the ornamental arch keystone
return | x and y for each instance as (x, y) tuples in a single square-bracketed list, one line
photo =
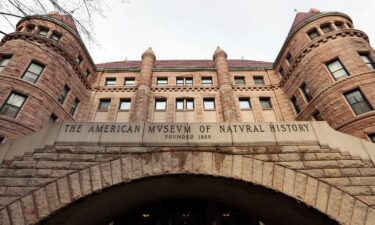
[(46, 179)]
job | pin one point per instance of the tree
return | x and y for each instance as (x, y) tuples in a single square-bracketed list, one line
[(81, 11)]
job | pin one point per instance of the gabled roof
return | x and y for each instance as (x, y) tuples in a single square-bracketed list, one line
[(185, 64)]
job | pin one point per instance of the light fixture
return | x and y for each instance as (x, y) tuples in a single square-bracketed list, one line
[(226, 214), (145, 215)]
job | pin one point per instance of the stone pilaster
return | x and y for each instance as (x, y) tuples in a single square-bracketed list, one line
[(140, 109), (227, 98)]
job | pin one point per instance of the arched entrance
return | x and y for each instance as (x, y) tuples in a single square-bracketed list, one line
[(251, 203)]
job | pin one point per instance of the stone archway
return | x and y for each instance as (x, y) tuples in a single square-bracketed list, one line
[(77, 187)]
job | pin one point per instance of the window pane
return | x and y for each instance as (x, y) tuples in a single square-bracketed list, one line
[(335, 66), (245, 103), (55, 37), (368, 61), (160, 104), (4, 61), (327, 28), (189, 81), (43, 32), (265, 103), (189, 104), (239, 80), (371, 136), (104, 104), (125, 104), (162, 81), (110, 82), (306, 92), (209, 104), (317, 116), (313, 34), (35, 68), (207, 81), (129, 82), (180, 104), (30, 77), (340, 73), (357, 102), (74, 106), (180, 81), (258, 80), (9, 110), (16, 100)]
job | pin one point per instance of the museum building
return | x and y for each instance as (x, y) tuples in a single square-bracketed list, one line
[(217, 141)]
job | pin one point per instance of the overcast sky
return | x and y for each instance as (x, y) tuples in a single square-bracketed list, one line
[(192, 29)]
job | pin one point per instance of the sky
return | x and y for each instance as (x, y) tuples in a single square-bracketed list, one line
[(192, 29)]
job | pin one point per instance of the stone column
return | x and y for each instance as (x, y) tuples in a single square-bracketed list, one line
[(227, 97), (140, 109)]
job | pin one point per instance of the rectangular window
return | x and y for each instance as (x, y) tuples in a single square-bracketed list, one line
[(326, 28), (289, 58), (13, 105), (295, 104), (43, 31), (74, 106), (317, 116), (125, 104), (188, 81), (110, 81), (30, 28), (206, 81), (371, 136), (86, 73), (281, 72), (245, 103), (313, 34), (265, 102), (337, 69), (358, 102), (79, 60), (184, 104), (258, 80), (53, 118), (4, 61), (239, 80), (63, 94), (209, 104), (306, 92), (33, 72), (129, 82), (160, 104), (55, 36), (162, 81), (340, 25), (104, 104), (366, 59)]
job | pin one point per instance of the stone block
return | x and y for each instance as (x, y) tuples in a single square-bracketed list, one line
[(251, 134), (294, 133), (122, 134)]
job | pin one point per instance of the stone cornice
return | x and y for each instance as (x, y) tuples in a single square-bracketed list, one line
[(300, 26), (315, 44), (137, 69), (69, 29), (49, 43)]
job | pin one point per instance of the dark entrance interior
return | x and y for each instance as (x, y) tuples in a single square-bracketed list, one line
[(186, 212), (251, 202)]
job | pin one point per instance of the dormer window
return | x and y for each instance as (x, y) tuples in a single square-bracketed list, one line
[(326, 28), (43, 31), (313, 34), (55, 36)]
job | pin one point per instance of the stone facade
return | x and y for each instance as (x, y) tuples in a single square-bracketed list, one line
[(324, 71)]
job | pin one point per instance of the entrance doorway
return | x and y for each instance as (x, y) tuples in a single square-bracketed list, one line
[(186, 212)]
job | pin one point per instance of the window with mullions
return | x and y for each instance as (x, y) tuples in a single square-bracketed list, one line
[(306, 92), (209, 104), (129, 82), (368, 61), (206, 81), (125, 104), (258, 80), (4, 61), (104, 104), (265, 102), (63, 94), (245, 103), (239, 80), (162, 81), (337, 69), (295, 104), (74, 106), (33, 72), (160, 104), (180, 81), (313, 34), (110, 81), (184, 104), (358, 102), (13, 105)]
